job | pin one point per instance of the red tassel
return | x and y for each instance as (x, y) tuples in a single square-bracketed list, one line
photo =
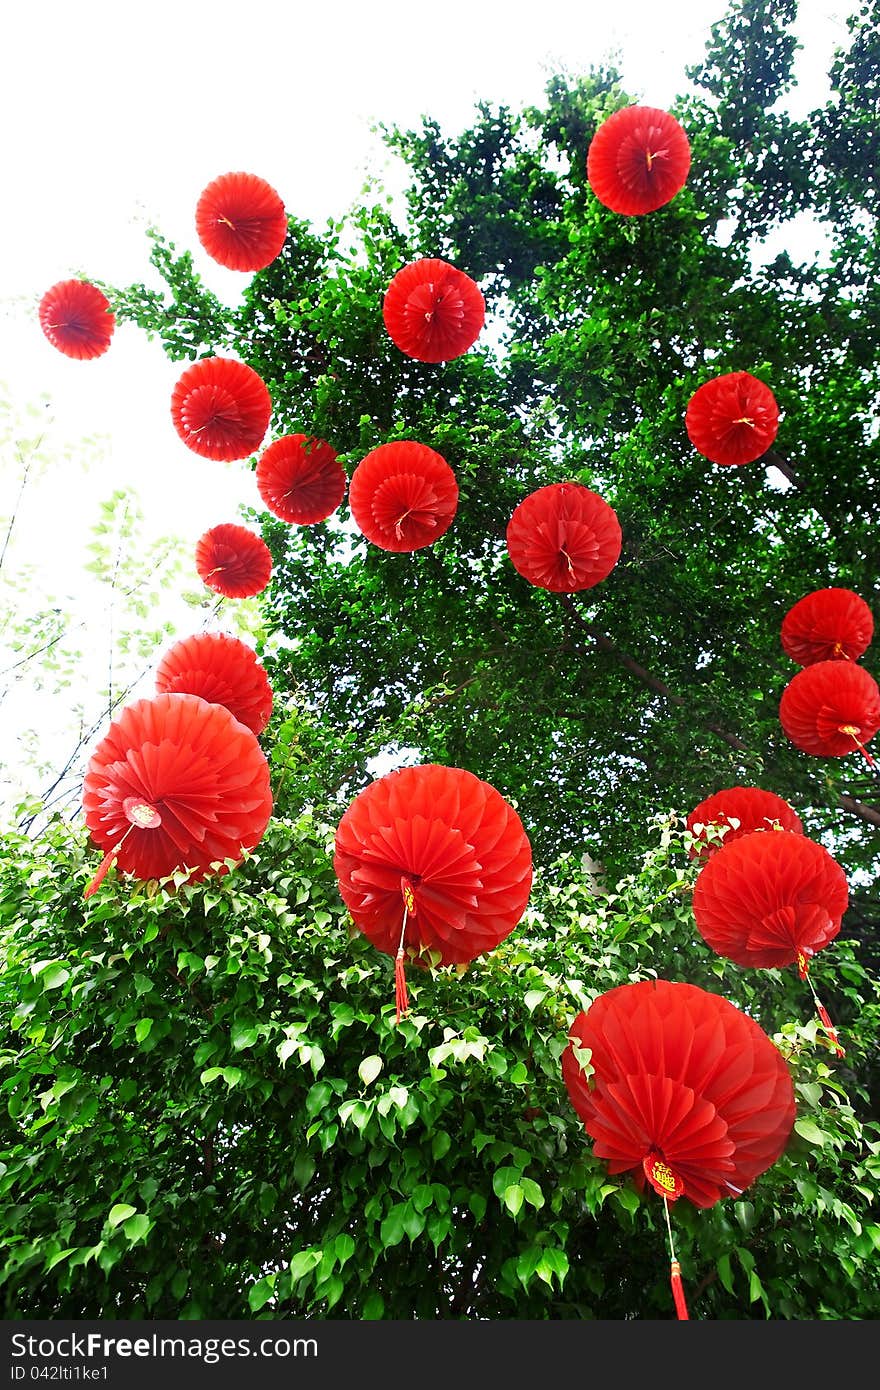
[(103, 870), (829, 1028), (678, 1291), (401, 998)]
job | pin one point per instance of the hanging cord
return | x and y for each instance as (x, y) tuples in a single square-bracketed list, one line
[(142, 816), (675, 1272), (853, 732), (401, 997), (831, 1031)]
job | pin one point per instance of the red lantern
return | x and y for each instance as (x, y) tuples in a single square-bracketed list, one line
[(223, 671), (732, 419), (831, 708), (740, 811), (221, 408), (434, 866), (76, 318), (241, 222), (768, 901), (300, 479), (233, 561), (176, 783), (638, 160), (564, 537), (403, 496), (827, 625), (433, 311), (680, 1088)]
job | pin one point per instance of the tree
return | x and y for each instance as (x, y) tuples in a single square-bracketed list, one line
[(224, 1054)]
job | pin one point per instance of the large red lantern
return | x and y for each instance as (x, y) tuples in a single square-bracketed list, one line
[(564, 537), (638, 160), (831, 708), (434, 866), (768, 901), (827, 625), (403, 496), (300, 479), (678, 1087), (433, 311), (176, 783), (732, 419), (241, 222), (232, 561), (76, 318), (223, 670), (221, 408), (739, 811)]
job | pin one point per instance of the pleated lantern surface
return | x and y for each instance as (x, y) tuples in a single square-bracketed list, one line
[(770, 900), (433, 311), (434, 866), (241, 222), (403, 496), (686, 1091), (232, 561), (224, 671), (176, 783), (827, 625), (221, 408), (740, 811), (564, 537), (831, 708), (732, 419), (638, 160), (300, 479), (76, 318)]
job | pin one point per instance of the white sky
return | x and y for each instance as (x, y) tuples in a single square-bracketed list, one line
[(116, 117)]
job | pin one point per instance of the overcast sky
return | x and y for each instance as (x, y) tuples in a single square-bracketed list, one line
[(116, 117)]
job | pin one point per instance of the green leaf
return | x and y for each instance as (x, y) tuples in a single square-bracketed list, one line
[(142, 1029), (260, 1293), (809, 1131), (441, 1143), (244, 1034), (369, 1069), (392, 1230), (533, 998), (303, 1263), (725, 1274), (120, 1212), (136, 1227), (512, 1197), (374, 1307)]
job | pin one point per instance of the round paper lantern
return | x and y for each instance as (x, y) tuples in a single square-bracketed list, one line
[(740, 811), (768, 901), (827, 625), (433, 311), (221, 408), (232, 561), (300, 479), (831, 708), (76, 318), (732, 419), (638, 160), (222, 670), (434, 866), (403, 496), (241, 222), (680, 1088), (176, 783), (564, 537)]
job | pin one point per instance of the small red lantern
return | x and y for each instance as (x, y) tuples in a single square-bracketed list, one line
[(176, 783), (740, 811), (732, 419), (76, 318), (827, 625), (678, 1087), (300, 479), (241, 222), (433, 311), (233, 562), (434, 866), (564, 537), (831, 708), (222, 670), (403, 496), (221, 408), (638, 160)]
